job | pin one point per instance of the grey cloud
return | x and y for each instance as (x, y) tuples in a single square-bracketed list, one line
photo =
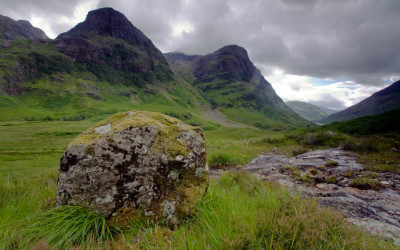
[(47, 9), (329, 101), (347, 39)]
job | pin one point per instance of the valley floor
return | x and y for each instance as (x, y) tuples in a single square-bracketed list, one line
[(238, 211)]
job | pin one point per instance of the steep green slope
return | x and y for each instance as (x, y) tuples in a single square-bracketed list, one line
[(307, 110), (90, 73), (234, 86)]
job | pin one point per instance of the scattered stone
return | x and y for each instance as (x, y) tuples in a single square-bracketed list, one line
[(330, 133), (135, 161), (394, 149), (378, 209), (322, 186)]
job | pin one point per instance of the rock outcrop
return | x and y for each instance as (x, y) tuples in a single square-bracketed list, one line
[(328, 175), (135, 161), (21, 29), (108, 40)]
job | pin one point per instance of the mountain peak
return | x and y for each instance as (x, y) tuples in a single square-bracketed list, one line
[(21, 29), (108, 38), (230, 62), (234, 49), (108, 22)]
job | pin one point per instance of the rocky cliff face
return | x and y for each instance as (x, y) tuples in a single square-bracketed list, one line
[(230, 63), (21, 29), (229, 80), (378, 103), (107, 39)]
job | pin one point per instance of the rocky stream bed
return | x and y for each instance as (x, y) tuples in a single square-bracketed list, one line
[(328, 175)]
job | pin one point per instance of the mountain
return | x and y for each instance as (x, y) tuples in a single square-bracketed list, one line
[(21, 29), (307, 110), (328, 110), (380, 102), (101, 66), (235, 87), (387, 122), (105, 65), (110, 47)]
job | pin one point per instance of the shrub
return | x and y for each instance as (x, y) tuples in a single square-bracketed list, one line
[(331, 163), (364, 144), (365, 183), (349, 174), (331, 179), (298, 151), (289, 168), (306, 178)]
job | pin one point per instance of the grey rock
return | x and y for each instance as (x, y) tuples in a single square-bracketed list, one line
[(376, 211), (135, 161), (330, 133)]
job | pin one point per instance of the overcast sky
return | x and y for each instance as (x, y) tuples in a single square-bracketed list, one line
[(328, 52)]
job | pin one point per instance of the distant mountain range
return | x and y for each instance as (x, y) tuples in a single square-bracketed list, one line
[(105, 64), (378, 103), (307, 110)]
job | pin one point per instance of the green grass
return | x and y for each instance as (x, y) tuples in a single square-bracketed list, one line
[(331, 163), (64, 227), (235, 146), (241, 212), (368, 125), (365, 183), (237, 211)]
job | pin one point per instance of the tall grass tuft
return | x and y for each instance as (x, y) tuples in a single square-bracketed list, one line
[(66, 226)]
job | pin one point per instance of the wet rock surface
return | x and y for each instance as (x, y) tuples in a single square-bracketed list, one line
[(327, 175), (135, 161)]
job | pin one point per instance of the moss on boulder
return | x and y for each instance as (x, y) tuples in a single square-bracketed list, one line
[(137, 160)]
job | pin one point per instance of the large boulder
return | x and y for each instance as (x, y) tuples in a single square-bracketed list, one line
[(135, 161)]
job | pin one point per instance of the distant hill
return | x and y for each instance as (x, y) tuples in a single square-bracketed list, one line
[(235, 87), (378, 103), (383, 123), (21, 29), (307, 110), (328, 110)]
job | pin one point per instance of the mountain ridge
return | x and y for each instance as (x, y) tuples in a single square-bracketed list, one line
[(380, 102), (21, 29), (106, 62), (230, 82), (307, 110)]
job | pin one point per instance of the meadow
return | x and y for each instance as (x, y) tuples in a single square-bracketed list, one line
[(238, 210)]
